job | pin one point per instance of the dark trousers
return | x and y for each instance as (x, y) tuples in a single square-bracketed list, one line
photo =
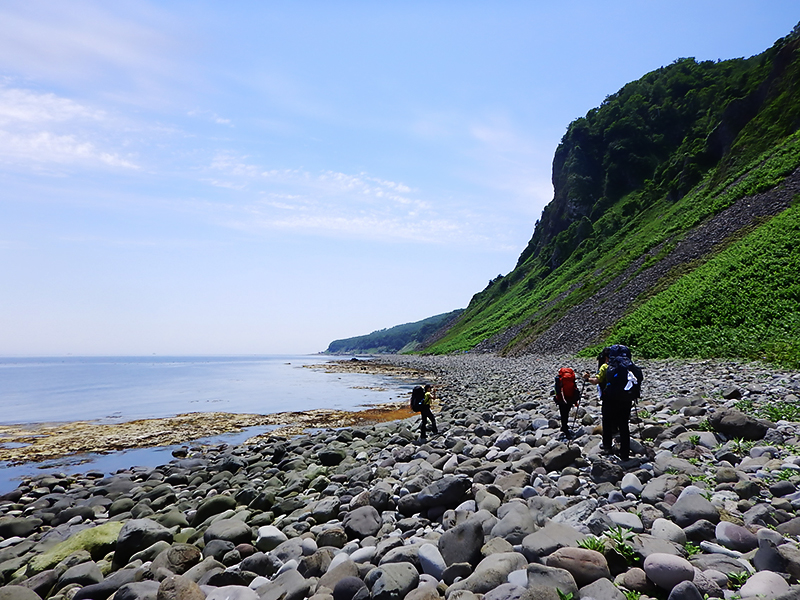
[(564, 408), (616, 418), (426, 413)]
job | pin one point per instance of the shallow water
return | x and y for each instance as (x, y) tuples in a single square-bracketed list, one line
[(37, 390), (115, 461), (118, 389)]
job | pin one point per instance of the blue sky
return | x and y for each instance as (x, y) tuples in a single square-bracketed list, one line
[(265, 177)]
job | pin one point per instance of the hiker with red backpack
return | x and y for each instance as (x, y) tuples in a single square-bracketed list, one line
[(620, 383), (567, 396)]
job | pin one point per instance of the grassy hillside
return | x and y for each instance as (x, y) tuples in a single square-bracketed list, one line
[(663, 195), (398, 339)]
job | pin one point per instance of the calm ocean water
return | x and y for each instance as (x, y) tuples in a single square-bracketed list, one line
[(116, 389), (36, 390)]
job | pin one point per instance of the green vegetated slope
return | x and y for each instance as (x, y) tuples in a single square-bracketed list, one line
[(401, 338), (745, 301), (634, 180)]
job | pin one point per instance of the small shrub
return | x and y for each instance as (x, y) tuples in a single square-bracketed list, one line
[(593, 543), (737, 579)]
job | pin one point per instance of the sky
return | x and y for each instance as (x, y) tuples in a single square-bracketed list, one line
[(195, 178)]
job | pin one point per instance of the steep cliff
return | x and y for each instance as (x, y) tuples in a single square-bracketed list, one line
[(664, 176)]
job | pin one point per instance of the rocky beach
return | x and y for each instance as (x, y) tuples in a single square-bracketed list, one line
[(498, 506)]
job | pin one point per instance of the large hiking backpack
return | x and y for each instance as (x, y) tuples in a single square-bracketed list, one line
[(417, 398), (566, 389), (623, 377)]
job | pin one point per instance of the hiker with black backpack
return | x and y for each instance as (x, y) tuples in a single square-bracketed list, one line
[(620, 382), (567, 395), (421, 400)]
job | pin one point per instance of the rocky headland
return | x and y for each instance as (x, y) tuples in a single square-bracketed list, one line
[(497, 506)]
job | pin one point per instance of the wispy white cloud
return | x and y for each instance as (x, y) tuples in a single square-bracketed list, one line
[(44, 147), (333, 203), (37, 129)]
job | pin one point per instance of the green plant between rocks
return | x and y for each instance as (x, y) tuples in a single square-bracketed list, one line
[(632, 595), (619, 538), (564, 595), (692, 549), (593, 543), (737, 579)]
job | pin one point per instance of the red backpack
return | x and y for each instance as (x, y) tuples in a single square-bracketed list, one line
[(567, 390)]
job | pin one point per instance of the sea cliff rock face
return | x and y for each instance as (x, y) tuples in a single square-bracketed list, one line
[(497, 506)]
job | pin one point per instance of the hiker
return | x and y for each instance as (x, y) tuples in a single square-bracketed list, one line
[(619, 380), (567, 396), (425, 411)]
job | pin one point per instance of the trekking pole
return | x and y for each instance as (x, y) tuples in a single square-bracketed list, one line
[(580, 399)]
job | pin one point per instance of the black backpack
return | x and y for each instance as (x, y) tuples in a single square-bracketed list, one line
[(417, 398), (623, 377)]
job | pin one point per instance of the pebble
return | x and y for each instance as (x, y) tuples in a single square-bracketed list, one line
[(496, 505)]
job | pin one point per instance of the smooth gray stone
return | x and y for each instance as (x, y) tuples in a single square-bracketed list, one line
[(491, 572), (262, 564), (665, 529), (645, 545), (17, 592), (508, 591), (448, 492), (18, 526), (764, 584), (109, 585), (269, 538), (138, 590), (515, 522), (685, 590), (431, 561), (549, 539), (362, 522), (667, 570), (229, 530), (462, 543), (735, 537), (718, 562), (87, 573), (213, 506), (136, 535), (735, 424), (347, 568), (350, 588), (692, 508), (602, 589), (289, 585), (576, 516), (543, 577), (235, 592), (392, 581)]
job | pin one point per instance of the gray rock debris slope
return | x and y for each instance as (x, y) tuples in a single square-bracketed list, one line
[(497, 507)]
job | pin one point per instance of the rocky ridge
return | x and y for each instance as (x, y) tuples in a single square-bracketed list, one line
[(498, 507)]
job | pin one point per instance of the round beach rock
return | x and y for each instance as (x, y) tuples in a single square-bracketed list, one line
[(362, 522), (586, 566), (667, 570)]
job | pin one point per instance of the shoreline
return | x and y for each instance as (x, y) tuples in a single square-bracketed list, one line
[(36, 442), (498, 501)]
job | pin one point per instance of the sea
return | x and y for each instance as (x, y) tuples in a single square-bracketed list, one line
[(119, 389)]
